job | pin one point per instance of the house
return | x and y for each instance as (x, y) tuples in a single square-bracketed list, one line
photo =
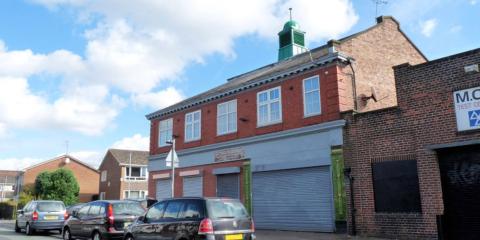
[(273, 137), (8, 185), (87, 176), (124, 174), (416, 166)]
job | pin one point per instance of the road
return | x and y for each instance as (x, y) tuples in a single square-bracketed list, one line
[(7, 233)]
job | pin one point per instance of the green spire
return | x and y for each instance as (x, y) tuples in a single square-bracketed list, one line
[(291, 40)]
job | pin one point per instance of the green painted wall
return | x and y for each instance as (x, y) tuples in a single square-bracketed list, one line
[(339, 185), (247, 188)]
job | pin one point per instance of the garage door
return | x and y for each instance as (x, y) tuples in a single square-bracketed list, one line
[(164, 189), (296, 199), (460, 173), (228, 185), (192, 186)]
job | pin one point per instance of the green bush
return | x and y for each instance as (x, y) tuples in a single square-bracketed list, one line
[(57, 185)]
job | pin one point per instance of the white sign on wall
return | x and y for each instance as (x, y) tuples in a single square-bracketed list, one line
[(467, 108)]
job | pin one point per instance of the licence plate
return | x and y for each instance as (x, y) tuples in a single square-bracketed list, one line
[(234, 237), (50, 217)]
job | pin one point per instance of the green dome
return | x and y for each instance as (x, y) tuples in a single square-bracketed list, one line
[(290, 25)]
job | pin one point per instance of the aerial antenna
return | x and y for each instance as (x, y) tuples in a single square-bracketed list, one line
[(66, 147), (377, 4), (290, 9)]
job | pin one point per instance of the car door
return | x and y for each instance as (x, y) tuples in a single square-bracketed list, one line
[(91, 221), (171, 219), (148, 228), (76, 226), (21, 221), (189, 218)]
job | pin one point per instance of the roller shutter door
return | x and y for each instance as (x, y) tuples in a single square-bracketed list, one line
[(228, 185), (295, 199), (193, 186), (164, 189)]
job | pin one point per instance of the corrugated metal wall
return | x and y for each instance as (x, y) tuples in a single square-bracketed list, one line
[(164, 189), (193, 186), (228, 185), (296, 199)]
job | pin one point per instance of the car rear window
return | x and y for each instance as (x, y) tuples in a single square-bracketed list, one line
[(128, 208), (50, 207), (226, 209)]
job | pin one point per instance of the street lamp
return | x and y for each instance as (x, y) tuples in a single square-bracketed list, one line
[(172, 160)]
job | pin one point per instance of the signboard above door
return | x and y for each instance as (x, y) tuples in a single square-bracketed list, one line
[(467, 108)]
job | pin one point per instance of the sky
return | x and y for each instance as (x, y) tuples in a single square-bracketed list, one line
[(79, 76)]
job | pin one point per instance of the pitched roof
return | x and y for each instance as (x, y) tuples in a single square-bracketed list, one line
[(62, 157), (123, 156)]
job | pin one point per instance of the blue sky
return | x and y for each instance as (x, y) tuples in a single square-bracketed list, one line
[(88, 71)]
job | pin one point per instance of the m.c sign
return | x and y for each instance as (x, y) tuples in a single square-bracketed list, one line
[(467, 108)]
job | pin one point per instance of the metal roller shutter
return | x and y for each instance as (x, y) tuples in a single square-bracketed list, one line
[(228, 185), (193, 186), (294, 199), (164, 189)]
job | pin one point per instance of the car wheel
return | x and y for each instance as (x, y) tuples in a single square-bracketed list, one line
[(17, 228), (129, 237), (96, 236), (28, 230), (66, 234)]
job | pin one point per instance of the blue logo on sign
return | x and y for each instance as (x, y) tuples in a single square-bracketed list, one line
[(474, 117)]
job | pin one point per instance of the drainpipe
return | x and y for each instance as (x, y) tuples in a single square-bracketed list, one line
[(354, 85), (348, 173)]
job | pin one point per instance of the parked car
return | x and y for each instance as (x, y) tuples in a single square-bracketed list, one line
[(41, 215), (103, 219), (146, 203), (194, 218)]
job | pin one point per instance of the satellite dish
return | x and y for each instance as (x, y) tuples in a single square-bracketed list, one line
[(67, 160)]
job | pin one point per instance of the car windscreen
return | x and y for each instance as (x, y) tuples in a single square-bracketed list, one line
[(50, 207), (128, 208), (226, 209)]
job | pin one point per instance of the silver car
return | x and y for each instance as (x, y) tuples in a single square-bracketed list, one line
[(41, 215)]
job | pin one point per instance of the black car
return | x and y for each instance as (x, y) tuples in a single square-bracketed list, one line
[(103, 219), (193, 218)]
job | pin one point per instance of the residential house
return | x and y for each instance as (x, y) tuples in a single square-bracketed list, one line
[(8, 185), (272, 137), (86, 175), (124, 174)]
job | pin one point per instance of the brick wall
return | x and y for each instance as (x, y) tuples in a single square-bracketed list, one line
[(87, 178), (425, 116), (112, 185)]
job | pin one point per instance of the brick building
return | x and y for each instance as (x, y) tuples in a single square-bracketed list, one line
[(269, 136), (124, 174), (416, 166), (8, 185), (87, 176)]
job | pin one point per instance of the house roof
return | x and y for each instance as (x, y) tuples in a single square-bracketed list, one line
[(122, 156), (62, 157)]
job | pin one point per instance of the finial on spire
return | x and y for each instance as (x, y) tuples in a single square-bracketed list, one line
[(290, 9)]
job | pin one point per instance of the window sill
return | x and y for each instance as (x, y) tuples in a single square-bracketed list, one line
[(227, 133), (268, 124), (312, 115), (192, 140)]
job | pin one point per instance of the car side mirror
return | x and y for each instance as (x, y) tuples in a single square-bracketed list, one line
[(141, 219), (20, 211)]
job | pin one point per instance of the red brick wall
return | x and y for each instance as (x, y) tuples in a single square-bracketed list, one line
[(112, 186), (209, 179), (292, 112), (425, 116)]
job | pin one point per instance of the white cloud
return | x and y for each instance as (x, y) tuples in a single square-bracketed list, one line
[(135, 142), (473, 2), (160, 99), (18, 163), (456, 28), (428, 26), (92, 158)]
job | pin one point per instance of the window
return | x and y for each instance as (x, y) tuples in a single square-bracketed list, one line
[(165, 132), (193, 210), (395, 186), (155, 212), (134, 194), (83, 211), (172, 210), (192, 126), (102, 195), (94, 210), (136, 173), (269, 107), (311, 96), (103, 176), (227, 117)]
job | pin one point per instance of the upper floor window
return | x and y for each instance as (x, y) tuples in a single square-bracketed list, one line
[(269, 106), (227, 117), (192, 125), (165, 132), (103, 176), (135, 173), (311, 96)]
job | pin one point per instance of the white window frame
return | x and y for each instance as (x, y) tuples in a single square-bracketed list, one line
[(126, 194), (143, 169), (193, 126), (227, 113), (165, 131), (305, 97), (268, 102), (103, 176)]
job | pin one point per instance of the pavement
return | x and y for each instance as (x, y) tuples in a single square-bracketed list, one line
[(7, 233)]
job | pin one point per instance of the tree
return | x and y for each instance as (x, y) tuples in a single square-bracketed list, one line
[(57, 185)]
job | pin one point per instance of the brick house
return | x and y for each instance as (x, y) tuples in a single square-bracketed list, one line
[(124, 174), (269, 136), (415, 166), (87, 176), (8, 185)]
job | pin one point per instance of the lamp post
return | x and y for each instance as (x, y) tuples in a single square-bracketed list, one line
[(172, 160)]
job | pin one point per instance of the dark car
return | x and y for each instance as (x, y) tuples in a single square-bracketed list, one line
[(103, 219), (40, 215), (74, 207), (146, 203), (194, 218)]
